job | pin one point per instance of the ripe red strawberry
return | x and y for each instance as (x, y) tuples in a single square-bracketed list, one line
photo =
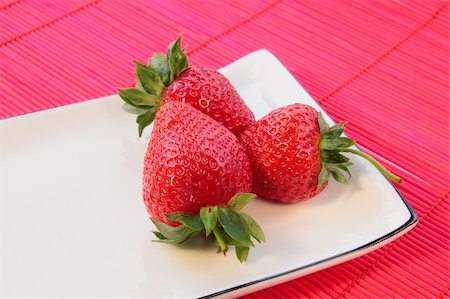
[(191, 162), (293, 151), (168, 78), (192, 168)]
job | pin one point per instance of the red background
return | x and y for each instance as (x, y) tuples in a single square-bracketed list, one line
[(381, 65)]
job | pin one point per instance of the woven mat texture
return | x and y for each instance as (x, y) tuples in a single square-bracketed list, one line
[(381, 65)]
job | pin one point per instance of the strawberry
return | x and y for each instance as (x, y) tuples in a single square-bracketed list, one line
[(167, 78), (193, 169), (293, 152)]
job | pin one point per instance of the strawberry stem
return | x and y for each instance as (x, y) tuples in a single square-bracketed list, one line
[(374, 163), (331, 145)]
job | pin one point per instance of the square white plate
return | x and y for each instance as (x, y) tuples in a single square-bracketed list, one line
[(72, 221)]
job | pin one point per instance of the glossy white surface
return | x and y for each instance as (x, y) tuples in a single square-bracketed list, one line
[(72, 222)]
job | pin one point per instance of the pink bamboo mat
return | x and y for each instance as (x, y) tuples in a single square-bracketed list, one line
[(383, 66)]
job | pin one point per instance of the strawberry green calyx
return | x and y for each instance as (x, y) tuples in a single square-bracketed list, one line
[(331, 145), (176, 59), (145, 98), (226, 225)]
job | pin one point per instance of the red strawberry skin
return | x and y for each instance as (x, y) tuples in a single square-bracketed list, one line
[(284, 151), (192, 161), (211, 93)]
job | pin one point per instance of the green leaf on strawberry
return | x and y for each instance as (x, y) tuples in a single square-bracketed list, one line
[(138, 85), (176, 58), (138, 98), (240, 200), (145, 99), (149, 79), (190, 220), (134, 109), (338, 175), (159, 63), (233, 225), (242, 252), (209, 217), (145, 119), (253, 228), (173, 234), (228, 225)]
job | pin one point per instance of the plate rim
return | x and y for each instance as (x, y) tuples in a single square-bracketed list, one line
[(405, 227)]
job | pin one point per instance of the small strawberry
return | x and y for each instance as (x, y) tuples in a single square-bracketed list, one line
[(192, 168), (168, 78), (293, 151)]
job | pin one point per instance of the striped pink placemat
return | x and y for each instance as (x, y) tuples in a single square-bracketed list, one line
[(383, 66)]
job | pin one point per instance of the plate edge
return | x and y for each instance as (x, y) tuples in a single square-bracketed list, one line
[(62, 106)]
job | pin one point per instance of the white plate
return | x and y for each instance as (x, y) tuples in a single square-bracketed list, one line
[(72, 221)]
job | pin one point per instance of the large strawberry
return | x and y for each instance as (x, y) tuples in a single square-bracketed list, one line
[(192, 168), (293, 152), (168, 78)]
